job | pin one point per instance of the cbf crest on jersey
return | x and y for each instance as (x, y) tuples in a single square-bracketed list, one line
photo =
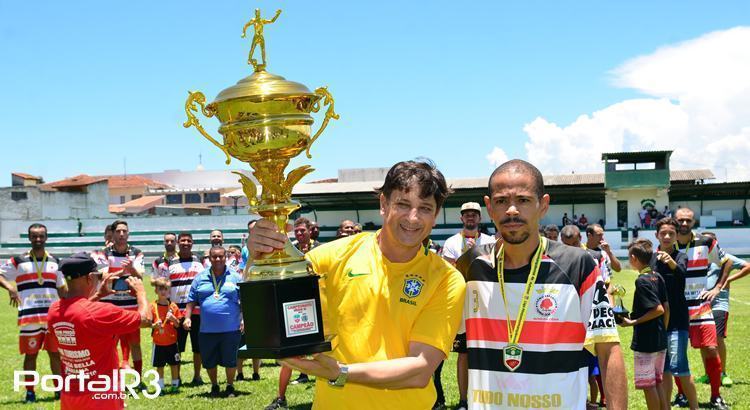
[(413, 285)]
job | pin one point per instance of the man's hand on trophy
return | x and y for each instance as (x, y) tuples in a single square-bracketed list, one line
[(264, 237), (319, 365)]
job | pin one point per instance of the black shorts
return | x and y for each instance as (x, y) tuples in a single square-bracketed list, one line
[(165, 355), (721, 318), (459, 343), (182, 334)]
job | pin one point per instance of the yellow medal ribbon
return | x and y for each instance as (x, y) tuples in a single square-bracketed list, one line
[(645, 270), (163, 322), (217, 285), (512, 353), (687, 248), (39, 269)]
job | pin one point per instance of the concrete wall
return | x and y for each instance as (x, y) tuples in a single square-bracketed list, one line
[(734, 205), (43, 205)]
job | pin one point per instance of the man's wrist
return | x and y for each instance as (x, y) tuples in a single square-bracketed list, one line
[(340, 379)]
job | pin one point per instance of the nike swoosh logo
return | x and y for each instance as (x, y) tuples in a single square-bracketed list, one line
[(354, 275)]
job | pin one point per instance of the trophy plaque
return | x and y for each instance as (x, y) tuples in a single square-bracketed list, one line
[(265, 121)]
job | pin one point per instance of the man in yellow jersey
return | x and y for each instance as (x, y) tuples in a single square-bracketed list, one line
[(393, 306)]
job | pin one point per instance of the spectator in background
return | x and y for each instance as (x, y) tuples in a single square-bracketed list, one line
[(107, 236), (234, 258), (303, 242), (565, 219), (654, 214), (642, 215), (575, 220), (217, 239), (357, 228), (667, 212), (314, 230), (571, 236), (346, 228), (583, 222), (161, 263), (551, 232)]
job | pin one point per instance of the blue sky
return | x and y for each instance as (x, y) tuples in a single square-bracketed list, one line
[(86, 84)]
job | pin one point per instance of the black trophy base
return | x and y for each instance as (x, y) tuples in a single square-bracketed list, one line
[(283, 318), (282, 352)]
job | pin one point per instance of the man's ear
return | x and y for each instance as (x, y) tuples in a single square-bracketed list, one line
[(383, 203)]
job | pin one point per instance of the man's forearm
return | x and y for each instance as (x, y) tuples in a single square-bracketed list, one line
[(613, 375), (189, 310), (614, 262), (144, 309), (401, 373)]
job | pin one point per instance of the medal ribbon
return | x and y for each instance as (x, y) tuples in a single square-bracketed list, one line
[(687, 248), (645, 270), (217, 286), (39, 268), (514, 332)]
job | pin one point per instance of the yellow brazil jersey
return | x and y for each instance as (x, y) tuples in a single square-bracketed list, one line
[(375, 307)]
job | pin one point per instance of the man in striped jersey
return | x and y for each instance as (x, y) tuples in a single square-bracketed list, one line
[(556, 297), (38, 284), (701, 252), (161, 262), (181, 271), (123, 260)]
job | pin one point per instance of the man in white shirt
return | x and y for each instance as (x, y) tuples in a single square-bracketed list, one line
[(455, 246)]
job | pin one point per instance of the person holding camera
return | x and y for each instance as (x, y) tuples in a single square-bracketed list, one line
[(87, 330)]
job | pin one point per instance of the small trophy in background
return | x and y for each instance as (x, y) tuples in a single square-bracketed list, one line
[(619, 309)]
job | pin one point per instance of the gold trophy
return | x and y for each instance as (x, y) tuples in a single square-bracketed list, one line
[(265, 121), (619, 308)]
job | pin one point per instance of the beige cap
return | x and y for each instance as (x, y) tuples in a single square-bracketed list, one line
[(471, 206)]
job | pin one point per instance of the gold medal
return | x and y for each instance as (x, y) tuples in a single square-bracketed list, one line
[(512, 352), (217, 285), (39, 268)]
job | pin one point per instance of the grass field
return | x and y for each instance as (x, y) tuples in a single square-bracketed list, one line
[(256, 395)]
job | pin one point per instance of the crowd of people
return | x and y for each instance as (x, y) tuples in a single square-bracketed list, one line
[(528, 311)]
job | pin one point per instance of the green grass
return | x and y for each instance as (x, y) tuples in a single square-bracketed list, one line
[(256, 395)]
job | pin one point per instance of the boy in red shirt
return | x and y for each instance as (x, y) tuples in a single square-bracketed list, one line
[(164, 334)]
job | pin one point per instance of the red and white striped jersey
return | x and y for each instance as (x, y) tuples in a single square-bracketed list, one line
[(701, 252), (36, 297), (181, 273), (109, 260), (567, 312)]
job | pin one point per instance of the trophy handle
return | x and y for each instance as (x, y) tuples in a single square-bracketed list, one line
[(330, 113), (197, 97)]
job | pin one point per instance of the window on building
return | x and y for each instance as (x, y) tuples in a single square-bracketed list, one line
[(19, 196), (192, 198), (174, 199), (211, 197), (122, 199), (132, 197)]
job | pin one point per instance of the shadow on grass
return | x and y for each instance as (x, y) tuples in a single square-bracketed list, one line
[(206, 394), (19, 400)]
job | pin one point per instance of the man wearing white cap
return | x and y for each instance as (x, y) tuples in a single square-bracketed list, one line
[(455, 246)]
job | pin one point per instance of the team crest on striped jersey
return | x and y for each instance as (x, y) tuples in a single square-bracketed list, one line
[(546, 304), (413, 285)]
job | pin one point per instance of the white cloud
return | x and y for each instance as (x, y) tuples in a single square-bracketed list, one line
[(497, 157), (697, 104)]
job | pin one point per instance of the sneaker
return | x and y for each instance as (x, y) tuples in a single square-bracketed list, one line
[(462, 405), (301, 379), (680, 400), (439, 405), (30, 397), (726, 381), (278, 403), (256, 377), (703, 379), (215, 390), (229, 391), (197, 381), (240, 376), (719, 403)]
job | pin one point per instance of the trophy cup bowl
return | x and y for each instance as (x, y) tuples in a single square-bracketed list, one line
[(265, 121), (619, 309)]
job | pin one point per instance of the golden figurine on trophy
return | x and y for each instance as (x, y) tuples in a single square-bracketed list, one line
[(265, 121)]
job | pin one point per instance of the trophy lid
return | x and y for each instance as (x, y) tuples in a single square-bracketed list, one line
[(262, 85)]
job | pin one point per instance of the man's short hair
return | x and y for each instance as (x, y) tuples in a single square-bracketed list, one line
[(216, 230), (590, 228), (37, 226), (570, 232), (642, 249), (550, 228), (119, 222), (521, 167), (667, 221), (170, 233), (184, 234), (235, 247), (217, 248), (302, 221), (429, 180)]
